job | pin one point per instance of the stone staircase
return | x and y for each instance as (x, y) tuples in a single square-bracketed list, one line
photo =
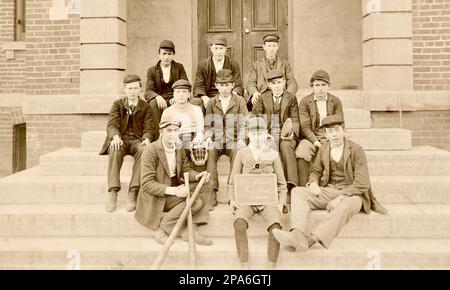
[(52, 216)]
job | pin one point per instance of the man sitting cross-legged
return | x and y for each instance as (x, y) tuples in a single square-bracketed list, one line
[(338, 182)]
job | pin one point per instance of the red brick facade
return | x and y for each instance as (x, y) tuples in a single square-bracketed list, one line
[(431, 45)]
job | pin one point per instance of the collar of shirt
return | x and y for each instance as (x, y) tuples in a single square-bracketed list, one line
[(219, 64), (135, 103), (276, 98), (317, 100), (169, 150)]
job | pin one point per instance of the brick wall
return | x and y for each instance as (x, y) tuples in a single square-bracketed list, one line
[(47, 133), (12, 76), (429, 128), (53, 51), (6, 131), (431, 44)]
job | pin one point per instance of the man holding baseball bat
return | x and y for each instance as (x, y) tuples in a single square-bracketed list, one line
[(163, 194)]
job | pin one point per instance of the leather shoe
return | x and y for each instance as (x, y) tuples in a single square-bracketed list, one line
[(132, 196), (292, 241), (111, 205), (161, 236), (378, 208), (199, 239)]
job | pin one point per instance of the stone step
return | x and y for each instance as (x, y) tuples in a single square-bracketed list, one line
[(28, 187), (369, 139), (432, 161), (139, 253), (92, 141), (86, 220)]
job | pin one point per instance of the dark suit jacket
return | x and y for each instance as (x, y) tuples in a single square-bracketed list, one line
[(257, 78), (155, 177), (153, 87), (308, 114), (205, 77), (118, 121), (289, 109), (216, 119), (355, 169)]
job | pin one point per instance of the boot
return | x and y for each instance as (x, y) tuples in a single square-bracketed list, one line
[(377, 207), (132, 196), (111, 205), (199, 239)]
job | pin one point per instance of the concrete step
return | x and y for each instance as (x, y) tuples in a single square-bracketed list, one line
[(381, 139), (139, 253), (369, 139), (92, 141), (86, 220), (357, 119), (432, 161), (28, 187)]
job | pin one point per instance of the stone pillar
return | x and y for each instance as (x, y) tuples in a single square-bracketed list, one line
[(387, 45), (103, 53)]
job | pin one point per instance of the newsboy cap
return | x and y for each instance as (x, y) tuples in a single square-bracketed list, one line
[(224, 76), (257, 124), (219, 40), (167, 44), (332, 120), (166, 120), (275, 74), (131, 79), (181, 84), (271, 37), (320, 75)]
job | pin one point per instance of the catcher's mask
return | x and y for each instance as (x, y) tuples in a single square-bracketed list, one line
[(199, 153)]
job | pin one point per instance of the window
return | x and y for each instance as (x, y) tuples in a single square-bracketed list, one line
[(19, 20)]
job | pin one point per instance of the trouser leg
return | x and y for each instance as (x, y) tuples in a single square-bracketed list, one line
[(241, 239), (136, 150), (115, 161), (173, 207), (156, 117), (303, 171), (329, 228), (287, 154), (273, 246)]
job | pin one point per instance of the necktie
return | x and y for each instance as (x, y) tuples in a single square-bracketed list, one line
[(132, 108), (277, 101)]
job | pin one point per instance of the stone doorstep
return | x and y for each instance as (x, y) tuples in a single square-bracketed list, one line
[(139, 253), (28, 187), (369, 139), (433, 161), (403, 221)]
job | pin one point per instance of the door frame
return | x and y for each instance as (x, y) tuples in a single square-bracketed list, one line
[(195, 43)]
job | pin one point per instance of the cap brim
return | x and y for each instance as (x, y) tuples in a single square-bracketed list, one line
[(165, 124)]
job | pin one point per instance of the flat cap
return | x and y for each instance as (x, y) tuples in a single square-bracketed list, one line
[(257, 124), (181, 84), (167, 44), (224, 76), (275, 74), (332, 120), (320, 75), (166, 120), (271, 37), (219, 40), (131, 79)]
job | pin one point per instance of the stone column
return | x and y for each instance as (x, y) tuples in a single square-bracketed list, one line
[(387, 45), (103, 53)]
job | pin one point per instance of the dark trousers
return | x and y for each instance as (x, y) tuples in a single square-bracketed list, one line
[(129, 147), (156, 115), (174, 207), (287, 156), (211, 166)]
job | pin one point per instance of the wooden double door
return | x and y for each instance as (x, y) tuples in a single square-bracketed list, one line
[(243, 23)]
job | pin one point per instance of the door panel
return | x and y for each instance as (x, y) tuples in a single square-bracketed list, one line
[(259, 18), (220, 17), (244, 23)]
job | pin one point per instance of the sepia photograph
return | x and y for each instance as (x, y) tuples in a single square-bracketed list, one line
[(233, 135)]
